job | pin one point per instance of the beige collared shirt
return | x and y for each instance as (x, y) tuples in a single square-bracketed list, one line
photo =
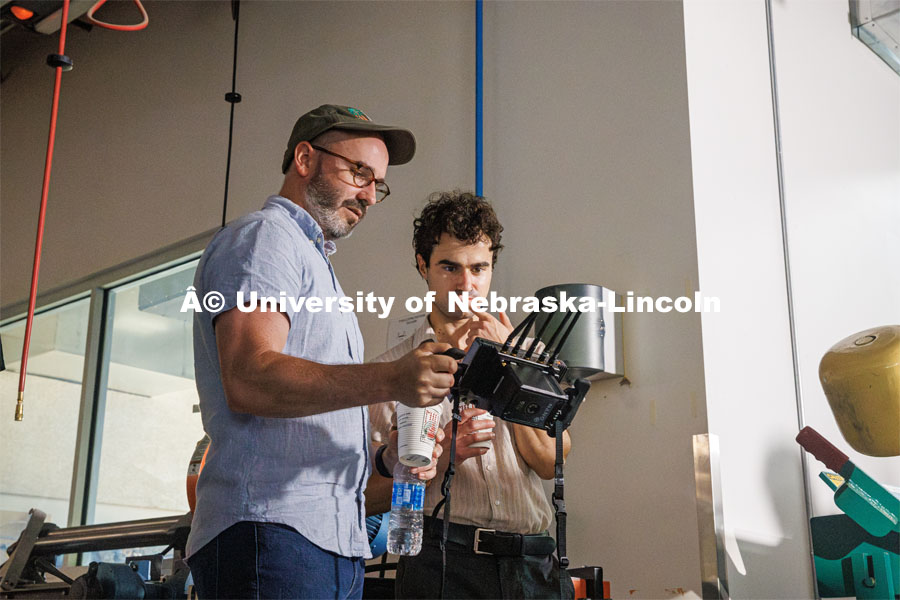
[(497, 490)]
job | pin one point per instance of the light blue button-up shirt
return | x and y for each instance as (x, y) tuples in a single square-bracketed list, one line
[(308, 473)]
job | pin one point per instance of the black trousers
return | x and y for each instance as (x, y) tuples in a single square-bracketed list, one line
[(471, 575)]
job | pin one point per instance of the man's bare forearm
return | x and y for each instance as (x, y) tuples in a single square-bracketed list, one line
[(277, 385), (539, 449), (261, 380)]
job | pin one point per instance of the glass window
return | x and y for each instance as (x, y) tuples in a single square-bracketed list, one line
[(149, 424), (37, 452)]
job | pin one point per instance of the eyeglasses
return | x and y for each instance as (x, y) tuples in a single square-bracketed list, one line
[(363, 175)]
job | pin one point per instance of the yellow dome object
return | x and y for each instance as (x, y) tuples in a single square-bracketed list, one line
[(861, 378)]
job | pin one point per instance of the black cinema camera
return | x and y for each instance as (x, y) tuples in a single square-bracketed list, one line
[(518, 385)]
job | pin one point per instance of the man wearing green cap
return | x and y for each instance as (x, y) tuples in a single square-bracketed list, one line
[(283, 396)]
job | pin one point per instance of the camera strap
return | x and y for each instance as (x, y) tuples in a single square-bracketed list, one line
[(445, 491), (559, 506)]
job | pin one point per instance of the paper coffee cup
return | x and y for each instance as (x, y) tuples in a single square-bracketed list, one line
[(416, 430), (482, 417)]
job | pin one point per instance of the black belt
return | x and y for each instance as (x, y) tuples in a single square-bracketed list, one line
[(489, 541)]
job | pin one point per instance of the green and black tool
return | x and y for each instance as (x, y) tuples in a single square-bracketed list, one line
[(860, 497)]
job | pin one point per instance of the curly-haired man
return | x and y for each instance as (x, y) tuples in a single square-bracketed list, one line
[(498, 500)]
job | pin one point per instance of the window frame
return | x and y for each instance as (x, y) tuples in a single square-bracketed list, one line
[(99, 287)]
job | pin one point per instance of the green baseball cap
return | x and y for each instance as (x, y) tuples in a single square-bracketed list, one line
[(401, 143)]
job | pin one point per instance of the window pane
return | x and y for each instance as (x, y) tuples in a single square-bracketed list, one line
[(37, 452), (149, 426)]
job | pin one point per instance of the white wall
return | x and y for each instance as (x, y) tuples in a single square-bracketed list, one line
[(839, 121), (840, 111), (747, 352), (587, 157)]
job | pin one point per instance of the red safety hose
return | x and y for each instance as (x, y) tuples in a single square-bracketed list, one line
[(40, 229), (137, 27)]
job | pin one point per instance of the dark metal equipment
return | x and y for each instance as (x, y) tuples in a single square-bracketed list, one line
[(32, 558), (523, 385)]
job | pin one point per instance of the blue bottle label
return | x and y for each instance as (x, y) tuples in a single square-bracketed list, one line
[(418, 497), (408, 495), (397, 494)]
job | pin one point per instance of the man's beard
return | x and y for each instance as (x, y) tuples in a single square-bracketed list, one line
[(323, 202)]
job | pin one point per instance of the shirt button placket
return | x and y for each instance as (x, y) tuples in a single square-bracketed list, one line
[(494, 489)]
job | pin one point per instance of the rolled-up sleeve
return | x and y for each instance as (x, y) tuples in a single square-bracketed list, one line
[(257, 258)]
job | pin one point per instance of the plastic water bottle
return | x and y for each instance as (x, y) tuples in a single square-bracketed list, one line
[(407, 502)]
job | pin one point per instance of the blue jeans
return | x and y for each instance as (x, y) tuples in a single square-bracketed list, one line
[(269, 560)]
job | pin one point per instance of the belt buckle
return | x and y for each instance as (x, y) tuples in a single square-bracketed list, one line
[(478, 532)]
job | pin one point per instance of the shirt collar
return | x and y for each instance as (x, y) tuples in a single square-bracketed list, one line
[(425, 332), (307, 224)]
